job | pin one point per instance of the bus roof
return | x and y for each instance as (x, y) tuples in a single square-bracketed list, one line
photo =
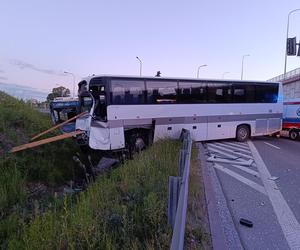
[(172, 78)]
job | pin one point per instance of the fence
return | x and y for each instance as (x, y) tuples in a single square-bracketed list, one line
[(178, 193)]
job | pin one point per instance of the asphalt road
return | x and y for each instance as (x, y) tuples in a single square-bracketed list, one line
[(261, 182), (283, 162)]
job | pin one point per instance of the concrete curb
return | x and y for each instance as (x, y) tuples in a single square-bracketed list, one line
[(223, 232)]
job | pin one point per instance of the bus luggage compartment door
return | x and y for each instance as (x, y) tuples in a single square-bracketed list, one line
[(274, 125), (117, 138), (99, 138), (261, 126)]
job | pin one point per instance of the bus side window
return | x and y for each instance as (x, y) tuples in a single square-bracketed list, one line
[(239, 94), (162, 92), (266, 93), (192, 92), (219, 93), (128, 92), (243, 93)]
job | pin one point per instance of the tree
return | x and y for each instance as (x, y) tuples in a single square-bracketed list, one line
[(58, 92)]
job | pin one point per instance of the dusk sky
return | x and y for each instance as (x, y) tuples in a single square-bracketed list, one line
[(41, 39)]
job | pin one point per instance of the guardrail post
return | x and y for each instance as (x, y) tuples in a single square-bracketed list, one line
[(174, 189)]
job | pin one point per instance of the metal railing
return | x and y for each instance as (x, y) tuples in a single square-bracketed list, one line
[(286, 76), (178, 193)]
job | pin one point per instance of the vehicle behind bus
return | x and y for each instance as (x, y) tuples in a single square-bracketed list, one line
[(291, 118), (131, 112), (62, 109)]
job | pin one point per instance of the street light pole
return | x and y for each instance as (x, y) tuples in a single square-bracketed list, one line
[(224, 74), (243, 66), (203, 65), (141, 65), (287, 36), (66, 72)]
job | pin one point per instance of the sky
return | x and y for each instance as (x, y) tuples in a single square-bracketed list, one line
[(39, 40)]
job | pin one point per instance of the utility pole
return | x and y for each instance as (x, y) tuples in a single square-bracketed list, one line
[(287, 36), (141, 65), (223, 75), (203, 65), (66, 72), (243, 66)]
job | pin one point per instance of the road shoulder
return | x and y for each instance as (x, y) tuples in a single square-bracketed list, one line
[(223, 232)]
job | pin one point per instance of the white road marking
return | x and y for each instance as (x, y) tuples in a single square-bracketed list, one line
[(287, 220), (271, 145), (213, 158), (249, 171), (215, 150), (236, 144), (242, 179), (234, 153), (233, 148)]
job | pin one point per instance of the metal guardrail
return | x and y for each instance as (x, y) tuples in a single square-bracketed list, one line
[(178, 193)]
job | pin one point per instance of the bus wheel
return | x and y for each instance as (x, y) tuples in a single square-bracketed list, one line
[(242, 133), (293, 134)]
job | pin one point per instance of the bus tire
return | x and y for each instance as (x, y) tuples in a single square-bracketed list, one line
[(242, 133), (293, 134)]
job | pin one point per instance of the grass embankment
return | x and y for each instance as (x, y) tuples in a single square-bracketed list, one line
[(18, 123), (197, 228), (50, 164), (125, 209)]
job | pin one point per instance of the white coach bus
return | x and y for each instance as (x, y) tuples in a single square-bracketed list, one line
[(130, 112)]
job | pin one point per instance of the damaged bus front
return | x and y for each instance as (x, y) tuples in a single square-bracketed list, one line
[(93, 100)]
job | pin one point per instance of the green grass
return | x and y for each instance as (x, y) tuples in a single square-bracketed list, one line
[(197, 227), (18, 123), (50, 164), (125, 209)]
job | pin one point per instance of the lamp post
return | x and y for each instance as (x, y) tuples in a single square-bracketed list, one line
[(243, 66), (141, 65), (66, 72), (287, 36), (203, 65), (225, 74)]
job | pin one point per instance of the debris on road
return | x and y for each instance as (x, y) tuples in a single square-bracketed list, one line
[(273, 178), (68, 190), (104, 165), (246, 222)]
